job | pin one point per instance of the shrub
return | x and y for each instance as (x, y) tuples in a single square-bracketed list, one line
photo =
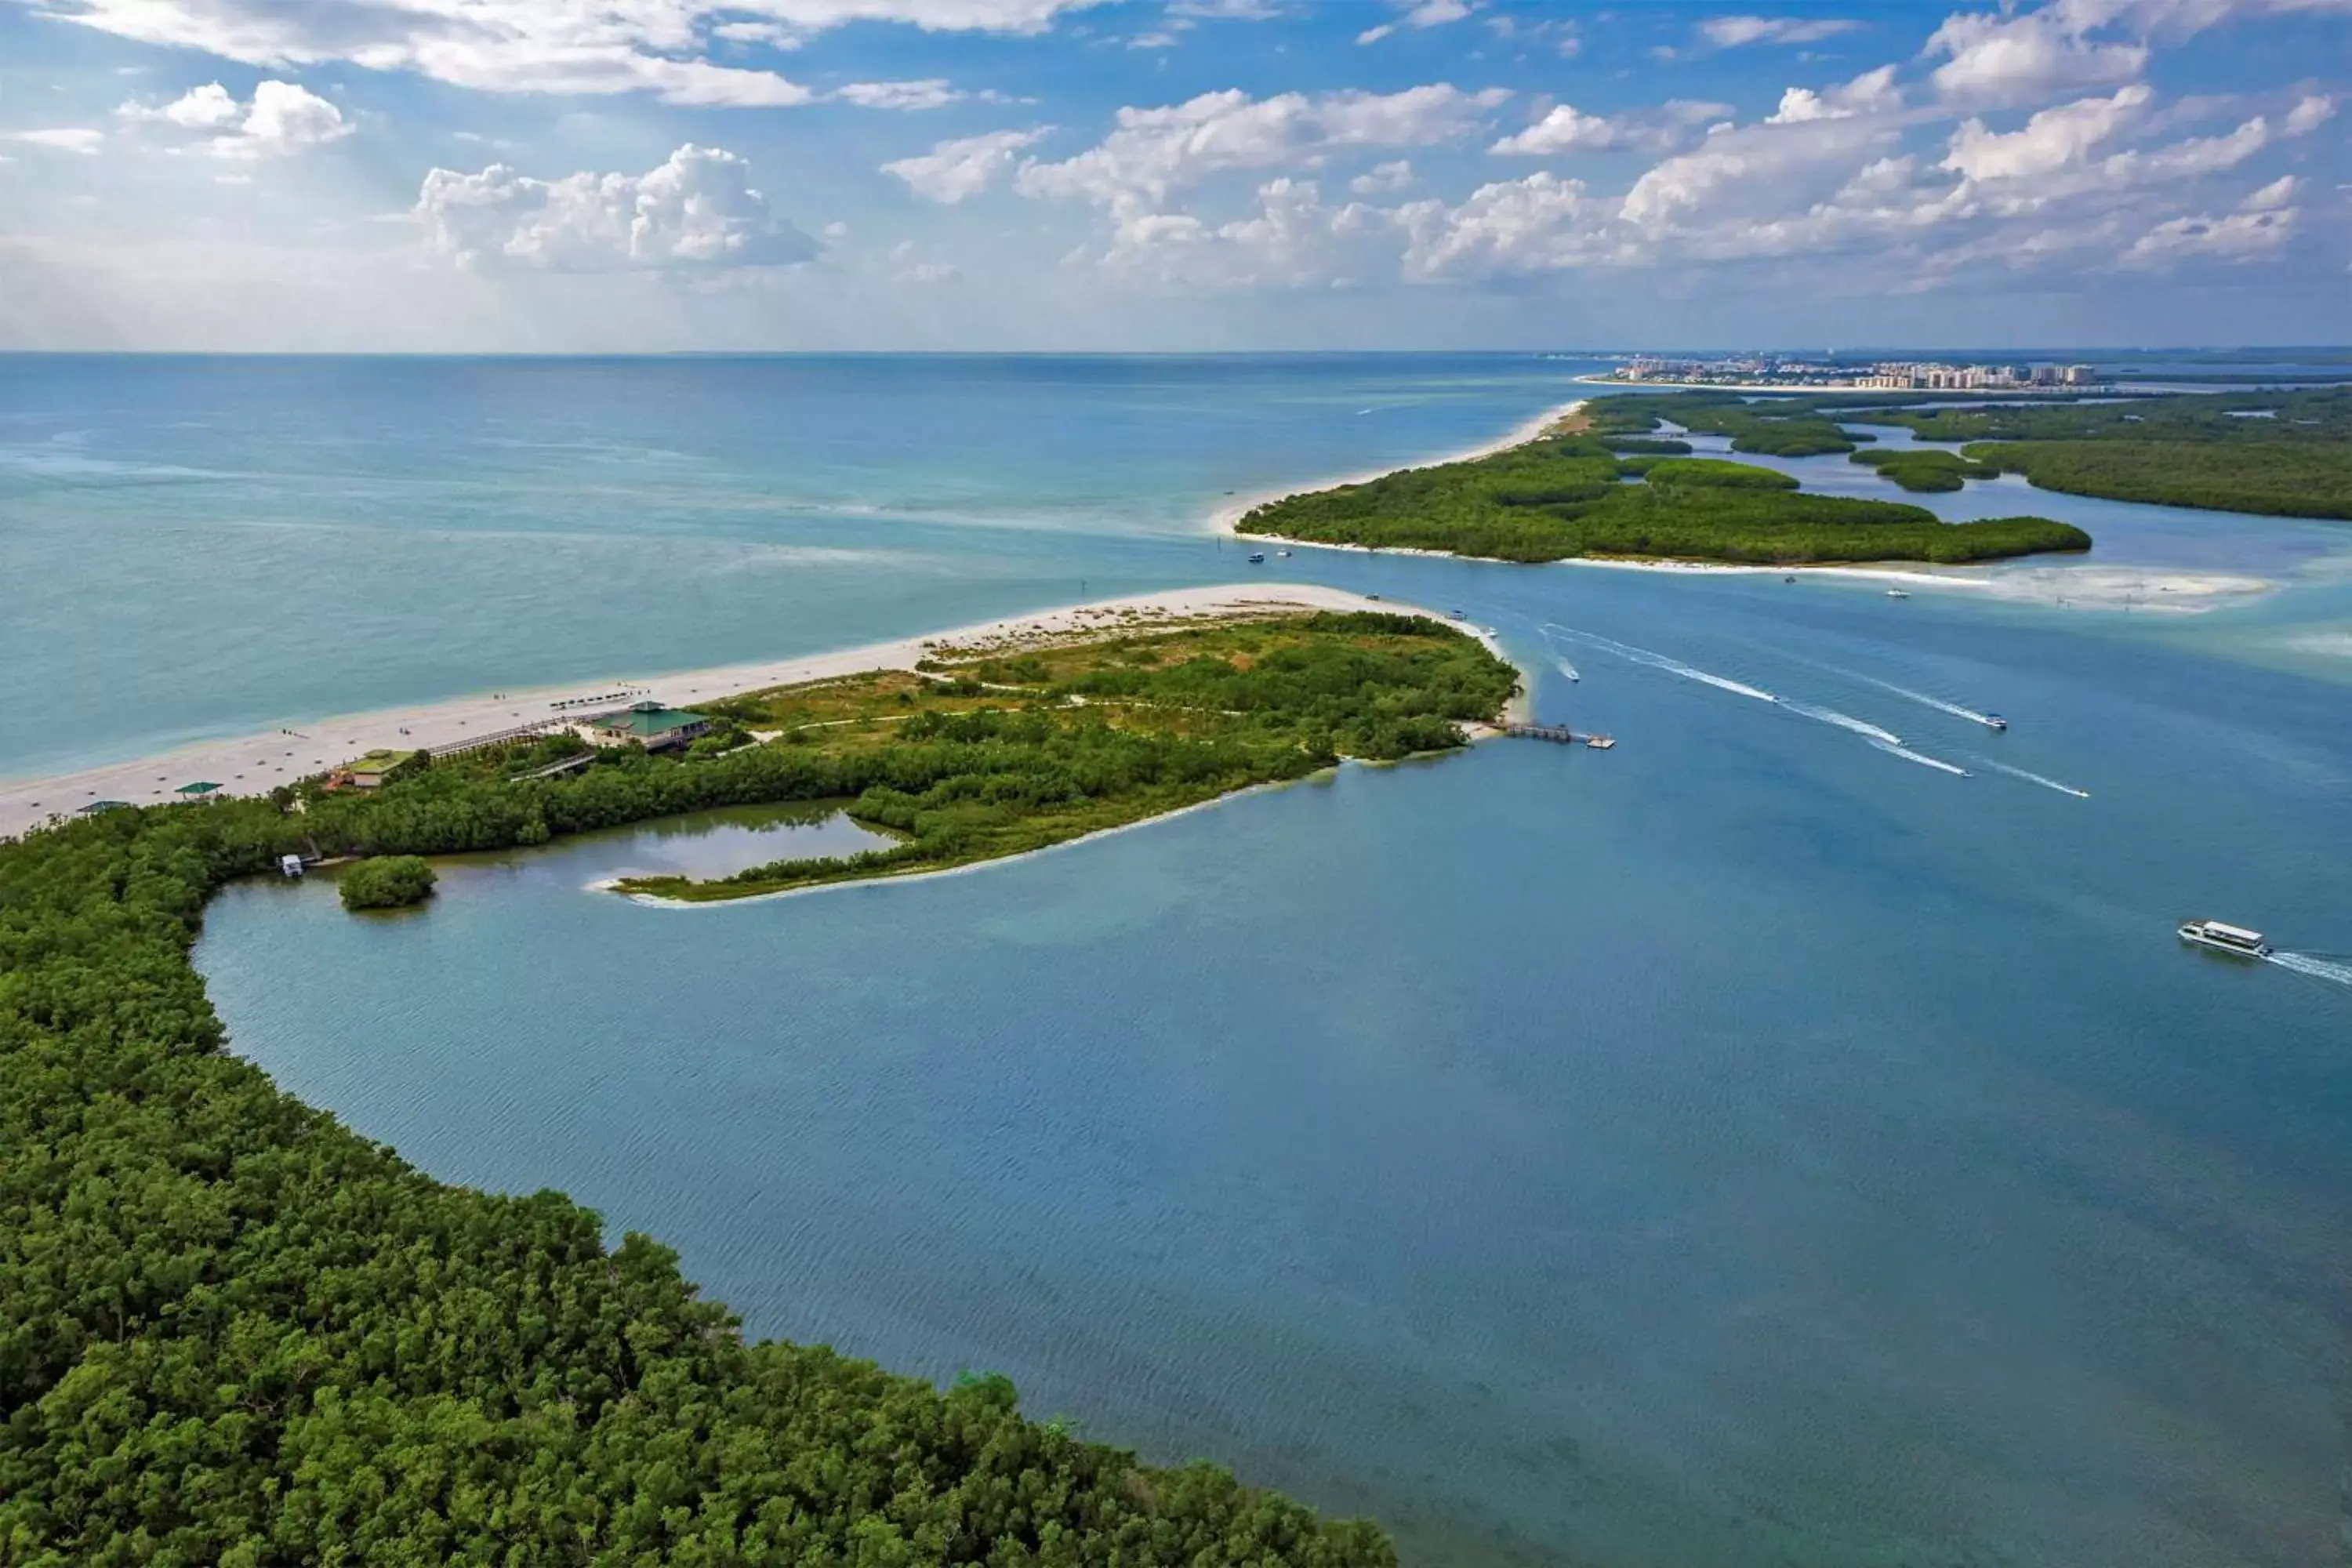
[(386, 882)]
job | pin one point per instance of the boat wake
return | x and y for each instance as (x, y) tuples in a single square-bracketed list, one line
[(1567, 669), (2032, 778), (1922, 758), (1867, 731), (2317, 968), (1660, 661), (1937, 704), (1883, 739)]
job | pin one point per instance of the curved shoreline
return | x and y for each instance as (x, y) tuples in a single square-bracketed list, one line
[(2095, 587), (254, 764), (1225, 517)]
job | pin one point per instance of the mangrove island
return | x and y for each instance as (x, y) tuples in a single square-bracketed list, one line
[(232, 1330), (1599, 485)]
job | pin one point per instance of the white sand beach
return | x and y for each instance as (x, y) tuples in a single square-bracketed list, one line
[(1225, 517), (2068, 585), (254, 765)]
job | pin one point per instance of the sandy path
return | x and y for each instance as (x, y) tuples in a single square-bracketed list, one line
[(254, 764)]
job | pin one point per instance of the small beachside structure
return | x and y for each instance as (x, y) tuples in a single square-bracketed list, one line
[(648, 723), (203, 789), (373, 770)]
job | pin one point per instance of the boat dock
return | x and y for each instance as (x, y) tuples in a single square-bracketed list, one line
[(1558, 735)]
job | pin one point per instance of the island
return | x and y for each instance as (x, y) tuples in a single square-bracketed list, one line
[(293, 1337), (2284, 453), (1599, 485)]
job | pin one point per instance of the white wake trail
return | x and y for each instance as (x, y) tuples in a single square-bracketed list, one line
[(2029, 777), (1887, 741), (1922, 758), (1867, 729), (1660, 661), (1937, 704), (2317, 968)]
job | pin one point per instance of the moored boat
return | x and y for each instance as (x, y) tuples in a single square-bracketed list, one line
[(2228, 939)]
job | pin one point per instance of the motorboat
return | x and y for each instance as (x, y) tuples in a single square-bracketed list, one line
[(1897, 593), (1257, 557), (1995, 721), (2229, 939)]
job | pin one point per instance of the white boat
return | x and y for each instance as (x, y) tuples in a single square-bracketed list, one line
[(1896, 593), (2222, 938), (1995, 721), (1282, 552)]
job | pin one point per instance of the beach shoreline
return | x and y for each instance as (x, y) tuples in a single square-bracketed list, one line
[(254, 764), (2092, 586), (1226, 517)]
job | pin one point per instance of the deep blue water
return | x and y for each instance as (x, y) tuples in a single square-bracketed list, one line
[(1749, 1145)]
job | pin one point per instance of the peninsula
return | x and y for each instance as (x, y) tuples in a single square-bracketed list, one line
[(339, 1345), (1596, 485)]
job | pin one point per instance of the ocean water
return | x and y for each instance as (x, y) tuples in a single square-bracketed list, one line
[(1793, 1136)]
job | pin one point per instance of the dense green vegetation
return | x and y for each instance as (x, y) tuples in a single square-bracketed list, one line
[(1646, 446), (1001, 754), (1713, 471), (1564, 495), (1765, 426), (2287, 454), (391, 882), (234, 1332), (1928, 469)]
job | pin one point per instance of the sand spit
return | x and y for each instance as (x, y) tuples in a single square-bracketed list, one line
[(256, 764)]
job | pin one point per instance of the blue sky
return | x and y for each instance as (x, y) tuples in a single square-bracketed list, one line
[(654, 175)]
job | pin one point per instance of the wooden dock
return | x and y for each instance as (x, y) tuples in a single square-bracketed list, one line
[(1558, 735)]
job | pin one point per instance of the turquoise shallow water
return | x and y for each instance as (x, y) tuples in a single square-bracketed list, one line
[(1749, 1145)]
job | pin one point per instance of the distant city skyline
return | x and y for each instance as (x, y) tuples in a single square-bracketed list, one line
[(664, 175)]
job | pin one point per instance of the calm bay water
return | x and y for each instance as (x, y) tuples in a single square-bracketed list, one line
[(1749, 1145)]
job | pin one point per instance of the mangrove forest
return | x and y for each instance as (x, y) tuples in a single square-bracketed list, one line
[(235, 1333)]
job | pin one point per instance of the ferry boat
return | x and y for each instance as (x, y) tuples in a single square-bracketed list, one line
[(2222, 938)]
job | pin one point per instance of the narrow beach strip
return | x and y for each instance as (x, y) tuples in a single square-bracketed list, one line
[(256, 764)]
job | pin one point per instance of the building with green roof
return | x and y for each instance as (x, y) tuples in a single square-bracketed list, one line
[(377, 768), (650, 724)]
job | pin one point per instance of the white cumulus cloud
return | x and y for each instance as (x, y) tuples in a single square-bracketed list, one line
[(698, 210), (958, 170), (1565, 129), (280, 118), (1151, 152), (2234, 236), (2050, 141)]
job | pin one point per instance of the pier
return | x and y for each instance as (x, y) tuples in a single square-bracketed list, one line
[(1558, 735)]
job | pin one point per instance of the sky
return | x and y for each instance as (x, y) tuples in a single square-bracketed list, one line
[(655, 175)]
